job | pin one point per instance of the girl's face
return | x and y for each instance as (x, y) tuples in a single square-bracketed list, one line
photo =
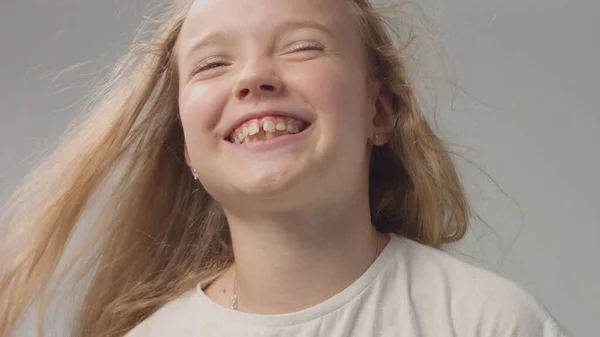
[(274, 101)]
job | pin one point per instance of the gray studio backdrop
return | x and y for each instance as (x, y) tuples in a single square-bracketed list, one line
[(529, 116)]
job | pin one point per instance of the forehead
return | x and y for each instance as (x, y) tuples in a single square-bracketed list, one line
[(254, 16)]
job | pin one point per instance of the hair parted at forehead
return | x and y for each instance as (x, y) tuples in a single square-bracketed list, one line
[(186, 3)]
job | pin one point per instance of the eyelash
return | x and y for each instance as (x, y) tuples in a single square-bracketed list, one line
[(306, 46), (207, 65)]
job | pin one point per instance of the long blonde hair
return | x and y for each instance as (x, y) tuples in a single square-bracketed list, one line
[(158, 233)]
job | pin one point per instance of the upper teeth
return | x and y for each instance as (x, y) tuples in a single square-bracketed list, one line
[(267, 127)]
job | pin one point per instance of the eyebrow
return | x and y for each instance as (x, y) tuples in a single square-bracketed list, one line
[(296, 24), (283, 26)]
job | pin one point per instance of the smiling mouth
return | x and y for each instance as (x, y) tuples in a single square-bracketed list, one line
[(266, 128)]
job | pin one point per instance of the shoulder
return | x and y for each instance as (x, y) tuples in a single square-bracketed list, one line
[(173, 319), (476, 301)]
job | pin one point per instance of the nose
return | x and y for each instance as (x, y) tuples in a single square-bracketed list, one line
[(257, 83)]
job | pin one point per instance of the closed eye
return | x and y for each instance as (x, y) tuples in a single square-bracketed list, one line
[(306, 46), (207, 65)]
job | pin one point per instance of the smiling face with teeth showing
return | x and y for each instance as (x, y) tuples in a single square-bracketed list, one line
[(275, 101)]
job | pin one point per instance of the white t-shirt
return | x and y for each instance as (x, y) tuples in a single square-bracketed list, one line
[(411, 290)]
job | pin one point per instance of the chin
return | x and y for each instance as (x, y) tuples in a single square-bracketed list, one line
[(270, 184), (269, 190)]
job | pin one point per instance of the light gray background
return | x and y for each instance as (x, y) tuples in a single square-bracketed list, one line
[(534, 125)]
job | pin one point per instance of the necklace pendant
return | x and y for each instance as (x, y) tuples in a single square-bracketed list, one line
[(234, 301)]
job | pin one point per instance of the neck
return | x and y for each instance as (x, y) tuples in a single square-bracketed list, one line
[(289, 262)]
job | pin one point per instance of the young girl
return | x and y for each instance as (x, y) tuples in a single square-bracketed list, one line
[(271, 174)]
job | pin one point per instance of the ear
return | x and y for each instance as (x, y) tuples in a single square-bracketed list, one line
[(382, 117)]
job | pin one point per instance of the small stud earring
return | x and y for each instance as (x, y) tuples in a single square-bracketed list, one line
[(195, 174)]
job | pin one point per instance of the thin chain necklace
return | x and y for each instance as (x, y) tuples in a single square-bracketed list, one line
[(234, 297)]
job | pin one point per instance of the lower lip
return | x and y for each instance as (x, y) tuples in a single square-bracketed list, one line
[(275, 143)]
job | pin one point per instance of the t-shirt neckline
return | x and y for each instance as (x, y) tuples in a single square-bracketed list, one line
[(219, 313)]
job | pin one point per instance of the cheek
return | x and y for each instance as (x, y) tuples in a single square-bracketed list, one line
[(338, 94), (200, 109)]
